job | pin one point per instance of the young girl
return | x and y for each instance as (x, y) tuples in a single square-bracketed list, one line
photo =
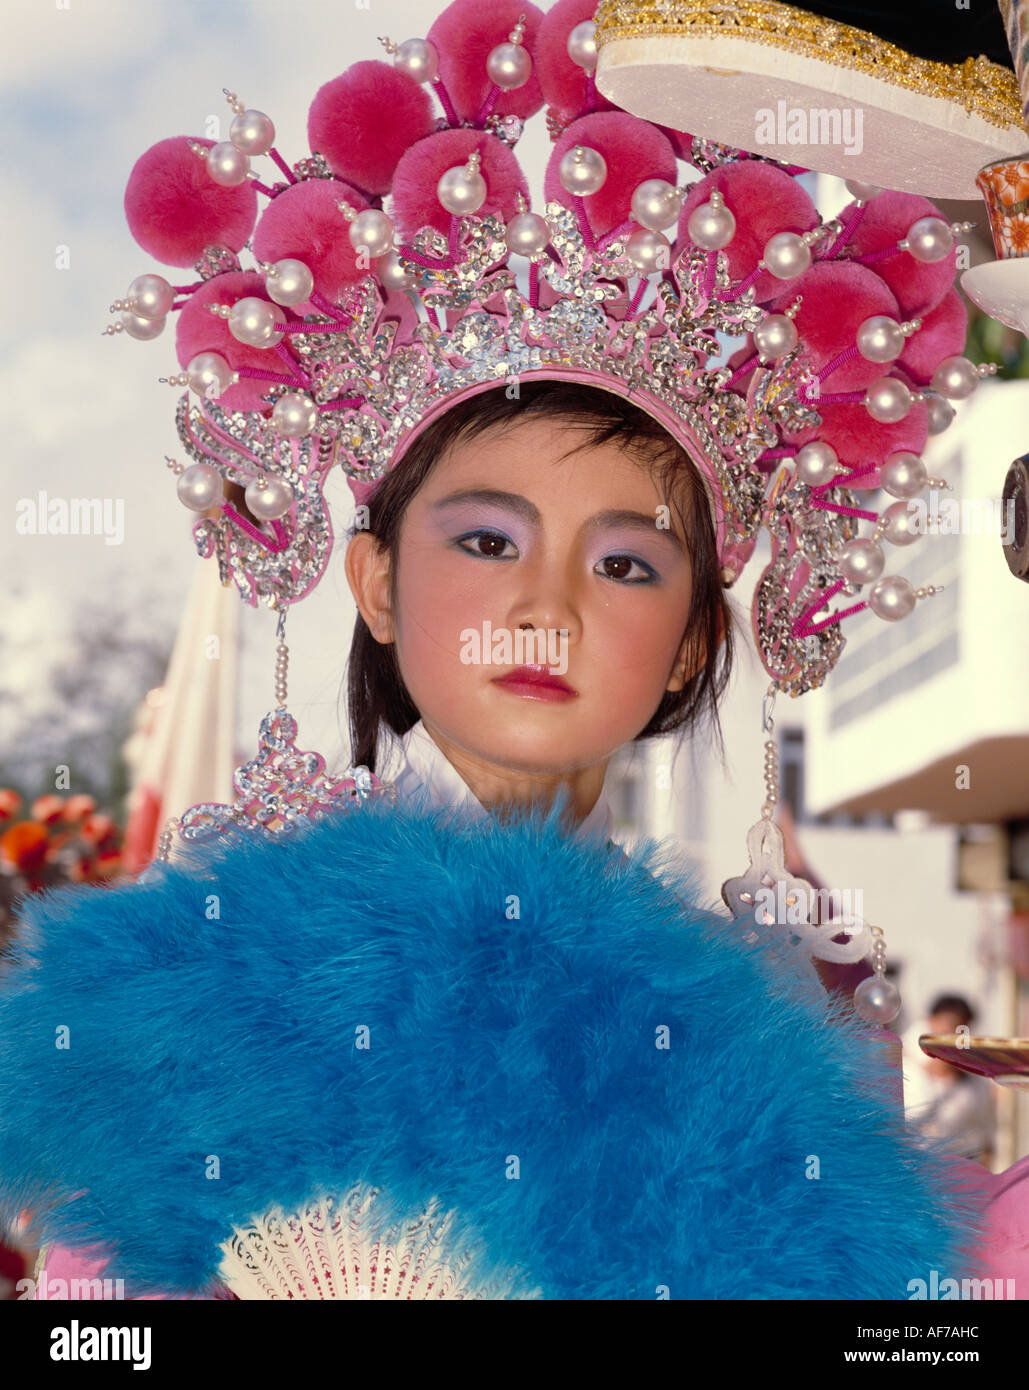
[(540, 513), (457, 1044)]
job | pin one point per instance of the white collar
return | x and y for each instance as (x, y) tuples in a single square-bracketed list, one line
[(417, 761)]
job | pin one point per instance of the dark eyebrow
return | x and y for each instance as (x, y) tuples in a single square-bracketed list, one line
[(637, 521)]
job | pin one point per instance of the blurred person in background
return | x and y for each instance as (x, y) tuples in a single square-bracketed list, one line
[(943, 1102)]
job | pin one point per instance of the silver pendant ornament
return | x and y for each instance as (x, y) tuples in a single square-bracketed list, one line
[(779, 906)]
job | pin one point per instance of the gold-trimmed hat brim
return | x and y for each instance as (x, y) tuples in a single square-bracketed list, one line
[(781, 82)]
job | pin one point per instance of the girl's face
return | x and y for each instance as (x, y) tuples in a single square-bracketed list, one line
[(507, 534)]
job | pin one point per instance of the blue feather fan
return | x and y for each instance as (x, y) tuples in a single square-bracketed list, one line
[(606, 1085)]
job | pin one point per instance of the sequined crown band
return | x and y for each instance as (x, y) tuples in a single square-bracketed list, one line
[(400, 268)]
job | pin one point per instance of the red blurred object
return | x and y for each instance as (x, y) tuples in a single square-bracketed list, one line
[(24, 846), (142, 830), (1018, 943), (10, 802), (13, 1268), (78, 870), (95, 868), (78, 807), (47, 809), (69, 842), (107, 864), (97, 828)]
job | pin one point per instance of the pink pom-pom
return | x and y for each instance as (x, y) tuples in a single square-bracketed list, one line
[(942, 334), (567, 88), (464, 35), (836, 298), (416, 203), (303, 222), (918, 285), (764, 200), (198, 330), (364, 120), (174, 208), (681, 142), (862, 443), (634, 151)]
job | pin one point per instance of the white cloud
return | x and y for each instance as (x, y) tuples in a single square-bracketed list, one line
[(49, 43)]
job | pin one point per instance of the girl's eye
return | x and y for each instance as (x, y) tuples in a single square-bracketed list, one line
[(488, 545), (619, 567)]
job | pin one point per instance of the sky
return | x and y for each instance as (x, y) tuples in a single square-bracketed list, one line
[(86, 86)]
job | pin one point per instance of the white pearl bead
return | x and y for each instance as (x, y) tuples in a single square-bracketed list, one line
[(209, 375), (887, 400), (902, 526), (418, 58), (655, 204), (252, 132), (509, 66), (582, 45), (879, 339), (199, 487), (711, 226), (227, 165), (903, 475), (372, 230), (582, 170), (150, 296), (955, 378), (877, 999), (648, 251), (527, 234), (461, 191), (941, 414), (861, 560), (292, 285), (392, 273), (817, 464), (863, 192), (786, 255), (891, 598), (252, 321), (294, 415), (930, 239), (136, 326), (270, 502), (774, 337)]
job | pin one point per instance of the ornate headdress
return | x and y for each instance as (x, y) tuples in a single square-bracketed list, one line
[(399, 269)]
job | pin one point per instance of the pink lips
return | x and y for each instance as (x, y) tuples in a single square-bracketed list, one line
[(536, 683)]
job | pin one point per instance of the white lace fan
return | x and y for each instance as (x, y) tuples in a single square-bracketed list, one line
[(326, 1251)]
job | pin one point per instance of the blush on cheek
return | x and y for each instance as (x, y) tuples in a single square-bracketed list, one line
[(646, 647), (430, 622)]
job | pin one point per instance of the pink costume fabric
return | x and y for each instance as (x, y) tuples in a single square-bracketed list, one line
[(63, 1266)]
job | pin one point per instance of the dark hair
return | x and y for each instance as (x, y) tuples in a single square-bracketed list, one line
[(952, 1004), (375, 688)]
